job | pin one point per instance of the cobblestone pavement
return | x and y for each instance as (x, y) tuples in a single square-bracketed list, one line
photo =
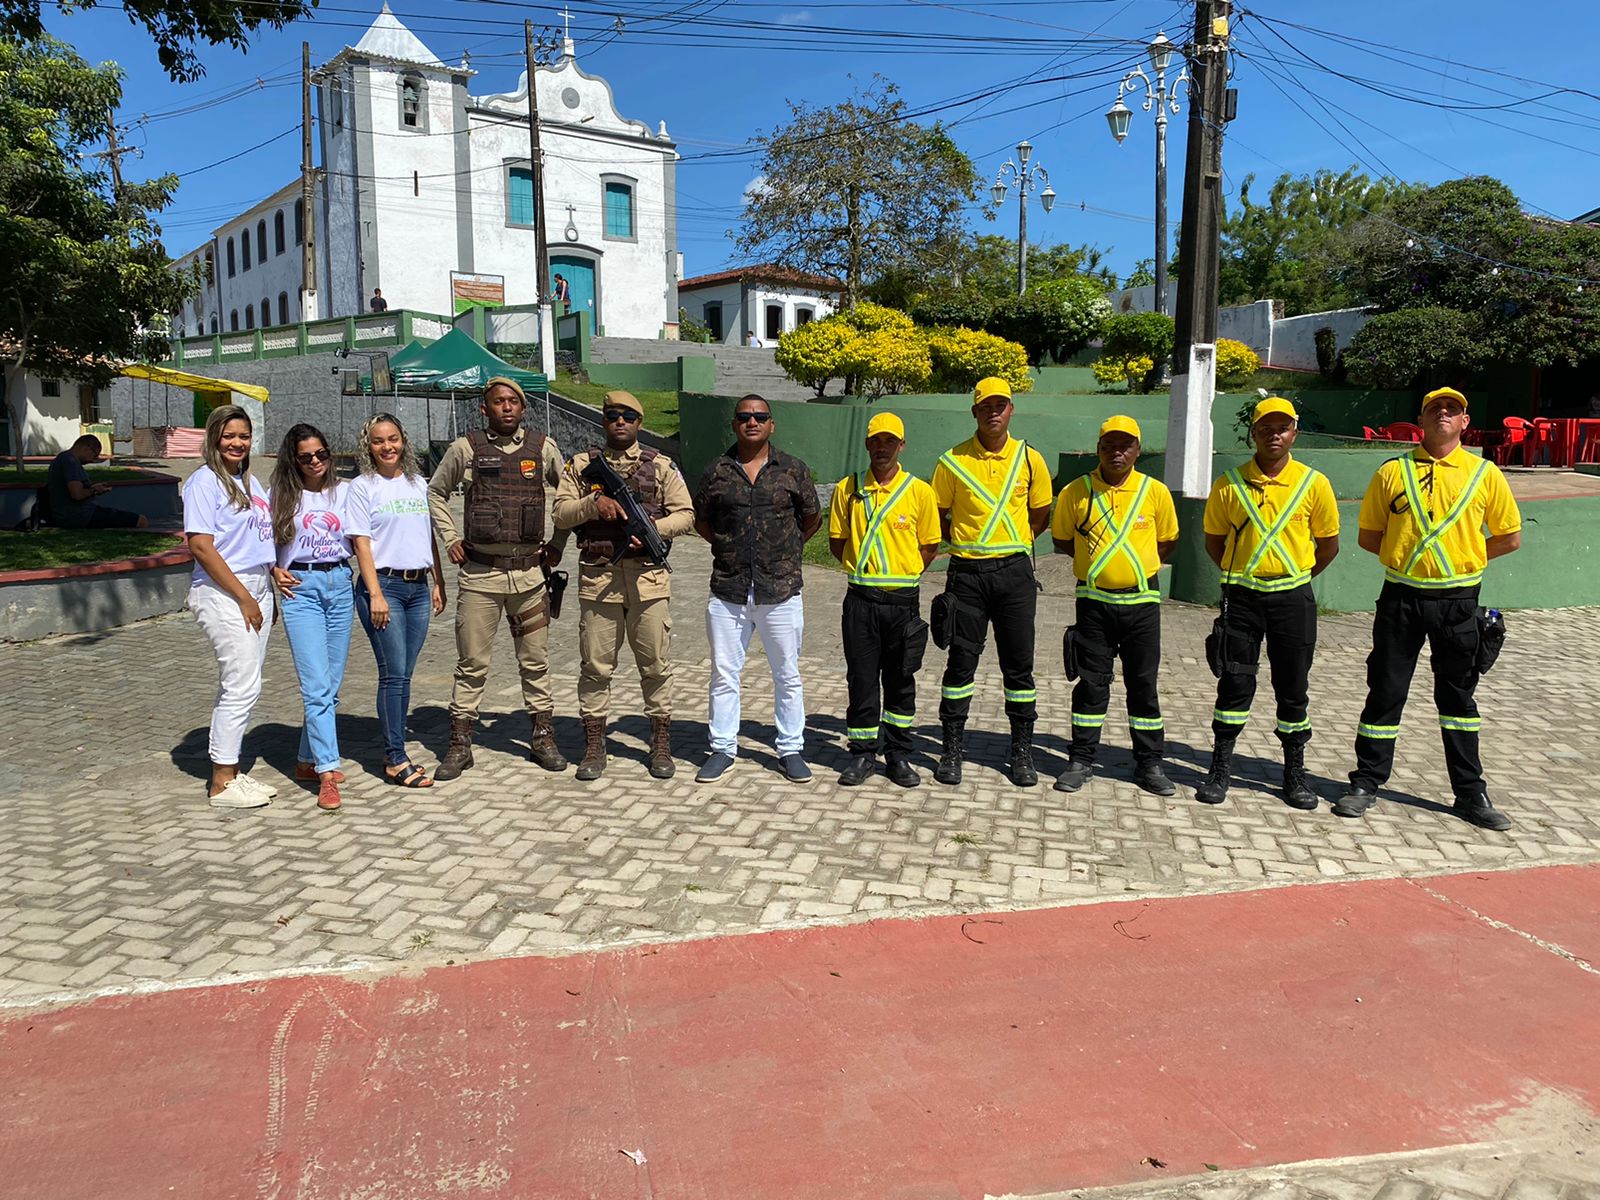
[(1509, 1172), (115, 870)]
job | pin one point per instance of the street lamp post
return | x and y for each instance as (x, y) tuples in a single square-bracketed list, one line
[(1163, 96), (1024, 175)]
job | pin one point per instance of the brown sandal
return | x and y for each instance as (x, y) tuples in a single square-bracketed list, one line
[(409, 775)]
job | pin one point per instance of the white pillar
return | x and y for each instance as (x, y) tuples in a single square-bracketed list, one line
[(547, 341), (1189, 441)]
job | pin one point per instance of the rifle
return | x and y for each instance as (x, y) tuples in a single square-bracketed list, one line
[(601, 474)]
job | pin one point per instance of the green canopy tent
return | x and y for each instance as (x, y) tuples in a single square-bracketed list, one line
[(453, 365)]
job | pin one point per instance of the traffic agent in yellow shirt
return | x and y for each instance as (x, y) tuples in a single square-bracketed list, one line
[(884, 527), (993, 493), (1119, 526), (1271, 525), (1425, 515)]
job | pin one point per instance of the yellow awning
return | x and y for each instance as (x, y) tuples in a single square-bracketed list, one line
[(194, 383)]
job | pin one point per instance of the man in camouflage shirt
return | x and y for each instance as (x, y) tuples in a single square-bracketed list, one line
[(757, 506)]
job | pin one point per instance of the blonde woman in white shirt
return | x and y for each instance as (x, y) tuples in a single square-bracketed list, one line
[(311, 526), (402, 579), (230, 535)]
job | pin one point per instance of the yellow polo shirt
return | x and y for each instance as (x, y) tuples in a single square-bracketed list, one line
[(1440, 484), (967, 468), (1080, 517), (1316, 515), (910, 522)]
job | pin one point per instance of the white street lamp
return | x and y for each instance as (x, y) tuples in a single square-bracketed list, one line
[(1025, 177), (1163, 97)]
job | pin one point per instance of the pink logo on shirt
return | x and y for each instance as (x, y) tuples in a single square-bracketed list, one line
[(324, 521)]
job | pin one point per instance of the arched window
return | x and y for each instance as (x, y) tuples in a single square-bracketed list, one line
[(233, 321), (410, 104), (213, 322), (230, 257), (211, 267), (244, 245), (249, 316), (261, 240), (266, 312), (277, 232), (299, 221), (283, 308)]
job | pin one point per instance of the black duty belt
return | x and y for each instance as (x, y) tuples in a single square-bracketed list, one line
[(408, 574), (332, 565), (503, 562), (907, 597), (958, 563)]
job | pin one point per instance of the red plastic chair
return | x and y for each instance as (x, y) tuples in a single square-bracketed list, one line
[(1518, 431), (1548, 443), (1368, 432), (1402, 431)]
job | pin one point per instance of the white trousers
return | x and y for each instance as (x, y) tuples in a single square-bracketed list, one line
[(728, 629), (240, 652)]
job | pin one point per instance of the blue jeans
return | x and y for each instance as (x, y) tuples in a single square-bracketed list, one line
[(317, 620), (396, 648)]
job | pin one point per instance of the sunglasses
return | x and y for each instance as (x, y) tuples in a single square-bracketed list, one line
[(305, 460), (620, 414), (760, 418)]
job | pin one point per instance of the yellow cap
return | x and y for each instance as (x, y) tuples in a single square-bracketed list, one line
[(1274, 404), (1125, 425), (507, 382), (886, 422), (621, 399), (1444, 393), (992, 386)]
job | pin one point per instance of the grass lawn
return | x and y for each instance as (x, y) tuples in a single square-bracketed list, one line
[(816, 551), (36, 476), (74, 547), (660, 408)]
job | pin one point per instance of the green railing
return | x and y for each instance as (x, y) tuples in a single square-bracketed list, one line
[(398, 327)]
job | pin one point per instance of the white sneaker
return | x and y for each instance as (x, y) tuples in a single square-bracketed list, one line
[(256, 785), (237, 793)]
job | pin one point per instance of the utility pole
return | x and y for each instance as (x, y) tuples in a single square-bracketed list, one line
[(1194, 378), (114, 154), (541, 243), (308, 223)]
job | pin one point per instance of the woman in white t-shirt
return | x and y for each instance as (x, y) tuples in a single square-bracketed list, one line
[(311, 527), (230, 594), (402, 579)]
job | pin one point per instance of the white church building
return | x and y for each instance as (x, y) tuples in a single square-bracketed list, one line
[(420, 179)]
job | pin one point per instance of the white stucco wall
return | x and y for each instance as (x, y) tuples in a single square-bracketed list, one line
[(1294, 341), (726, 294), (745, 307), (1250, 324), (50, 423)]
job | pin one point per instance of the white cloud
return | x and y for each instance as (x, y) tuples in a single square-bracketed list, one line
[(802, 17)]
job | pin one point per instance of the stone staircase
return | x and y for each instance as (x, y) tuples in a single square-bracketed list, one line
[(740, 369)]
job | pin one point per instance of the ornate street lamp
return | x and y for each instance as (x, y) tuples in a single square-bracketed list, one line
[(1025, 176)]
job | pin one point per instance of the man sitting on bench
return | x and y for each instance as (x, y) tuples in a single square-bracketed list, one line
[(71, 493)]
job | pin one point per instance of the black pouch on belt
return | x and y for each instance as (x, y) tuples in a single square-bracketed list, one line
[(555, 583), (1069, 651), (1216, 640), (1491, 637), (942, 619)]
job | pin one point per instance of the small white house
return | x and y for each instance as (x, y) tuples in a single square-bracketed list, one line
[(54, 414), (765, 300)]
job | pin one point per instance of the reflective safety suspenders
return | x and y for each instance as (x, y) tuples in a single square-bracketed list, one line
[(1431, 541), (1088, 589), (997, 508), (872, 542), (1269, 539)]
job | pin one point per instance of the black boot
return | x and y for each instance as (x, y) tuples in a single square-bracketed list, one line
[(1297, 792), (1151, 778), (1020, 768), (542, 748), (861, 764), (949, 768), (458, 755), (900, 771), (1214, 789), (594, 748), (1075, 776), (1480, 812)]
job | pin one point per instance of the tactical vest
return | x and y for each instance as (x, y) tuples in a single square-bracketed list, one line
[(598, 539), (505, 503)]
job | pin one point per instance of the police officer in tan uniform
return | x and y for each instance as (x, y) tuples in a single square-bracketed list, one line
[(502, 552), (631, 596)]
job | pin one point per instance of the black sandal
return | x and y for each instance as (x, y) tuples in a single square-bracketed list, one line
[(409, 775)]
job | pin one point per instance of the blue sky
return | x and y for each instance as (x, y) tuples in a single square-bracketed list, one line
[(1425, 89)]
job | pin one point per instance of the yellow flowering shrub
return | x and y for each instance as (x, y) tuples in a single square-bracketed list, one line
[(1236, 362), (887, 361), (961, 357), (1130, 371), (813, 354)]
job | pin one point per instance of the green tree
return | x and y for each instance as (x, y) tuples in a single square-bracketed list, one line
[(855, 190), (985, 265), (1055, 319), (86, 280), (175, 25), (1292, 247), (1415, 346), (1129, 336), (1466, 245)]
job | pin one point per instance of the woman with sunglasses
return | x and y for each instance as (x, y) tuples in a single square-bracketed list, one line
[(230, 536), (402, 579), (311, 527)]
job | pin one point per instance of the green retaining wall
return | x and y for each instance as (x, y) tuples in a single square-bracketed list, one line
[(686, 374)]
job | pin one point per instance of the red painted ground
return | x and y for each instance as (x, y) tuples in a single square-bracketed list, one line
[(931, 1059)]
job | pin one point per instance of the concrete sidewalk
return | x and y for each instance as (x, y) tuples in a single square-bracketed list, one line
[(952, 1057)]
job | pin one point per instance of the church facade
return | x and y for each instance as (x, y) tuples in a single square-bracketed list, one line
[(420, 179)]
